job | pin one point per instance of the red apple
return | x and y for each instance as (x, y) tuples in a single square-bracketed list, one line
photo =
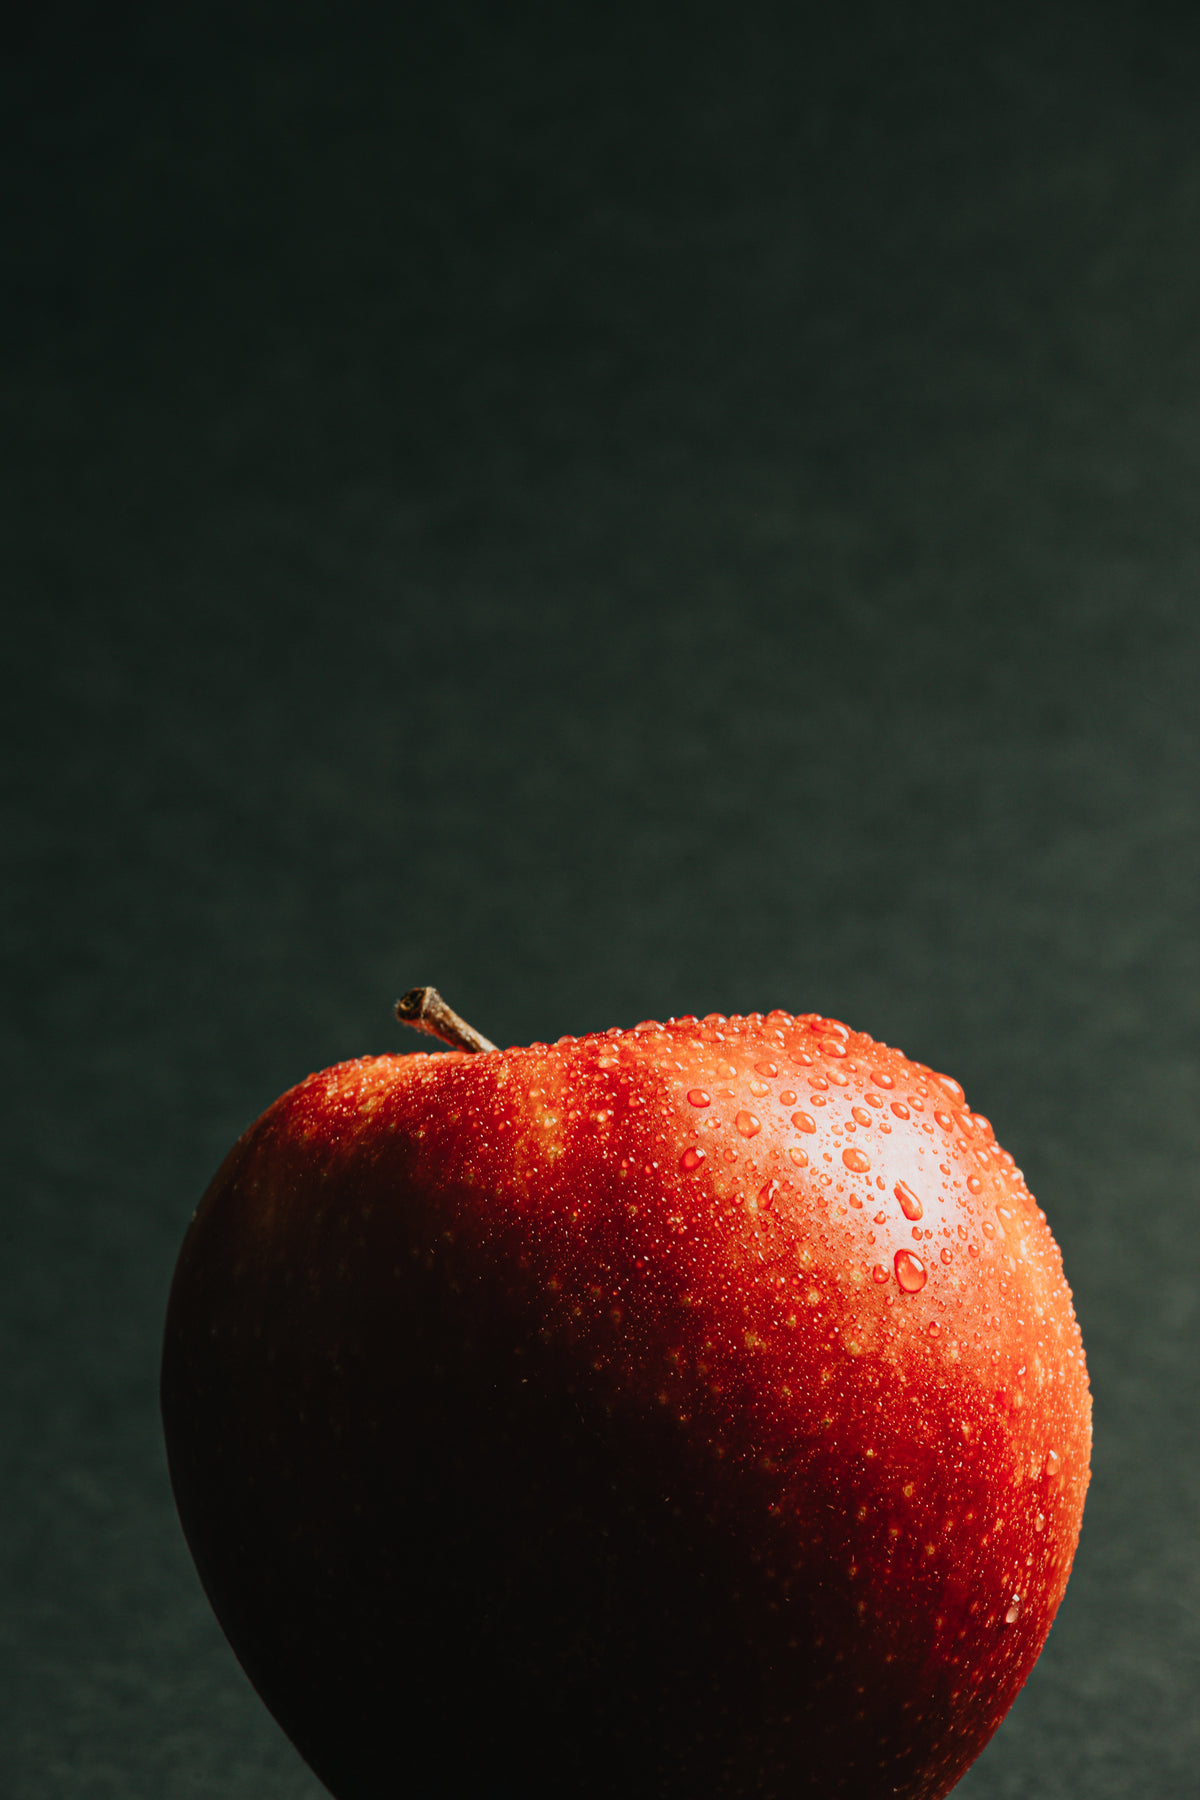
[(697, 1410)]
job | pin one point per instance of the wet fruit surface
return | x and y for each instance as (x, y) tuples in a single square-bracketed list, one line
[(688, 1439)]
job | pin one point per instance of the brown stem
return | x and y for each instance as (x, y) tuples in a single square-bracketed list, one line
[(424, 1009)]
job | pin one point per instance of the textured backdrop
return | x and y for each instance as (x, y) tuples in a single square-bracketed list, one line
[(617, 511)]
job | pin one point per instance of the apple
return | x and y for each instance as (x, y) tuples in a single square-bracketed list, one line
[(685, 1411)]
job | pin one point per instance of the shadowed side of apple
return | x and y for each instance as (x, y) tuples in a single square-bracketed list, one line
[(697, 1410)]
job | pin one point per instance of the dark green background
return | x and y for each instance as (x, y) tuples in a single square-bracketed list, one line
[(616, 511)]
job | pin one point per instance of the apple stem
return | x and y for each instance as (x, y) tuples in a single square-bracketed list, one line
[(424, 1009)]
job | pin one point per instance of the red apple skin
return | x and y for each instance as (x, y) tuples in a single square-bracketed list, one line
[(553, 1421)]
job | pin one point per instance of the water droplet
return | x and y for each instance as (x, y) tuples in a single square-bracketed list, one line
[(881, 1218), (1039, 1524), (989, 1230), (648, 1025), (861, 1114), (881, 1080), (730, 1154), (972, 1249), (945, 1120), (947, 1256), (952, 1088), (787, 1098), (900, 1110), (974, 1185), (804, 1121), (1053, 1462), (765, 1068), (855, 1160), (747, 1124), (879, 1273), (799, 1156), (910, 1205), (910, 1271), (832, 1028), (833, 1046), (1014, 1610), (691, 1159), (759, 1089), (698, 1097), (933, 1328), (766, 1195)]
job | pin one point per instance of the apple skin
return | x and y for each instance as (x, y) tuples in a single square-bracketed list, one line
[(575, 1420)]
